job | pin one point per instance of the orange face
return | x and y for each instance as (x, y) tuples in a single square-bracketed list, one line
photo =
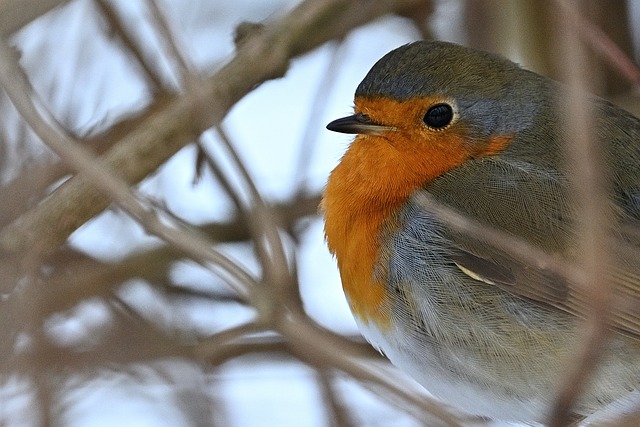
[(395, 153), (422, 152)]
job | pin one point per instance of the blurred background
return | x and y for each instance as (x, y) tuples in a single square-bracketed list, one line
[(113, 326)]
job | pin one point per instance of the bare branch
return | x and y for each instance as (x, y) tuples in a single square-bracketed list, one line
[(590, 189), (101, 177), (15, 14), (113, 19), (601, 43), (184, 70), (318, 347), (265, 55), (310, 136)]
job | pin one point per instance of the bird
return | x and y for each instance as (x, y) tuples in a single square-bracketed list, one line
[(477, 327)]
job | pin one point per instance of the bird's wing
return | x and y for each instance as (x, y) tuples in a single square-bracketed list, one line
[(545, 286), (533, 204)]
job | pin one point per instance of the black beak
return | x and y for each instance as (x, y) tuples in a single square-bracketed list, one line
[(358, 123)]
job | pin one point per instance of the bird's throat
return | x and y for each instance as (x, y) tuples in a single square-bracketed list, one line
[(374, 179), (362, 196)]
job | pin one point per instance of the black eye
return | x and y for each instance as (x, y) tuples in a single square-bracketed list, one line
[(439, 116)]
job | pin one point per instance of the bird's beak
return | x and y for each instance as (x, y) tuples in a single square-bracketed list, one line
[(358, 123)]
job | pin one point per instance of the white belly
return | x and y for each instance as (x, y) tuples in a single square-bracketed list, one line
[(420, 363)]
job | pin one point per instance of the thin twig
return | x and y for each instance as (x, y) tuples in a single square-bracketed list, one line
[(270, 249), (590, 190), (337, 413), (112, 17), (318, 347), (30, 187), (263, 56), (15, 14), (162, 26), (75, 281), (17, 87), (601, 42), (210, 347), (319, 105), (205, 156)]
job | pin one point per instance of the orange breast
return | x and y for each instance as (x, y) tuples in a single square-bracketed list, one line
[(373, 180), (353, 218)]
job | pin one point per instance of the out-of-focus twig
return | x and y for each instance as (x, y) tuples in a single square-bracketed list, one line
[(590, 190), (77, 280), (162, 26), (17, 87), (337, 412), (30, 186), (317, 347), (265, 55), (600, 42), (211, 347), (15, 14), (267, 240), (113, 19), (310, 136)]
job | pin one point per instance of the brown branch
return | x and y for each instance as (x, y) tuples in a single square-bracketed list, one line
[(590, 188), (99, 175), (268, 243), (595, 37), (82, 279), (28, 188), (133, 341), (337, 413), (184, 72), (263, 56), (15, 14), (319, 347), (114, 22)]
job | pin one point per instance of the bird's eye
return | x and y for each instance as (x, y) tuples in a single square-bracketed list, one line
[(438, 116)]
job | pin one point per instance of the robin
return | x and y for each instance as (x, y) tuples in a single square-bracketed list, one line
[(469, 322)]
